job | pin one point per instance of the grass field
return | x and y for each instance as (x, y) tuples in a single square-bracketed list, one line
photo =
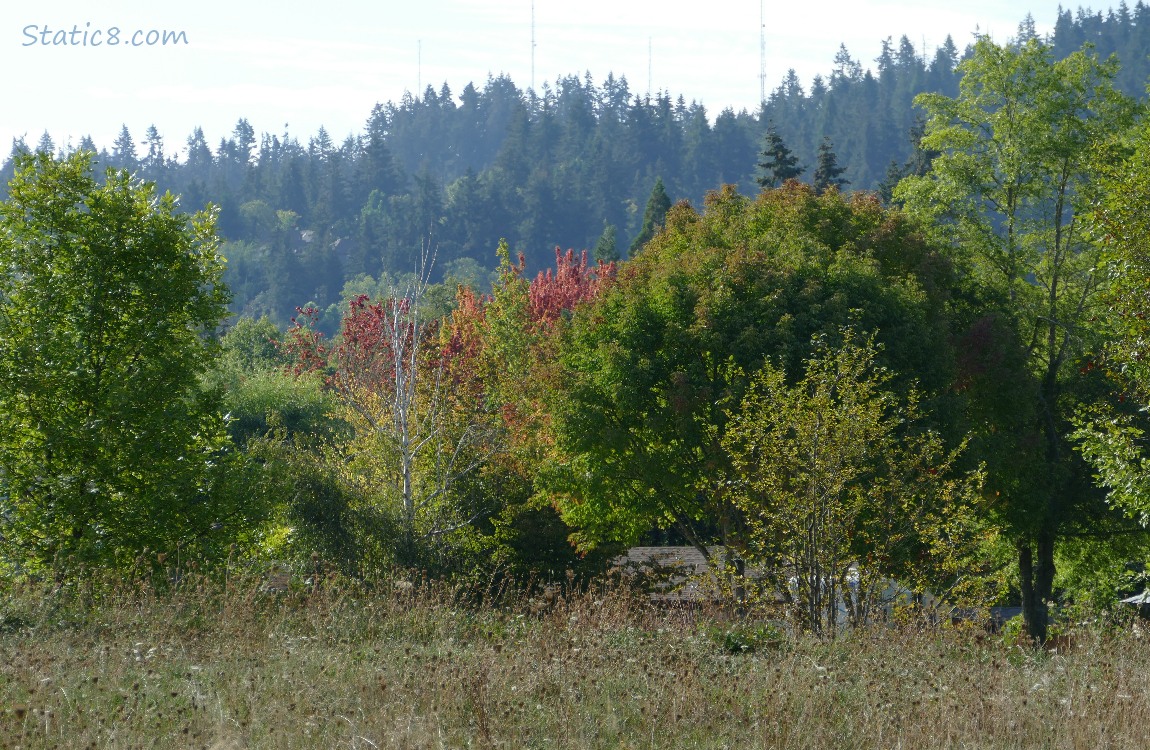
[(426, 666)]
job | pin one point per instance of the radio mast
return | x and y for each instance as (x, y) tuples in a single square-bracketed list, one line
[(762, 55)]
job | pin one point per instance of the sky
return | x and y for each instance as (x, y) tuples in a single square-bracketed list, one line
[(77, 67)]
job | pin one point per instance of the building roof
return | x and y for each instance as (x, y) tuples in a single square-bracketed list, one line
[(673, 574)]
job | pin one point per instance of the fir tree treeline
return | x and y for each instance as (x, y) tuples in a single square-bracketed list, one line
[(565, 165)]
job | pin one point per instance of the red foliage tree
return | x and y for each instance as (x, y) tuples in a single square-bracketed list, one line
[(573, 281)]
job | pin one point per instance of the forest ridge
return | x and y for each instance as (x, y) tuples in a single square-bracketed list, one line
[(568, 165)]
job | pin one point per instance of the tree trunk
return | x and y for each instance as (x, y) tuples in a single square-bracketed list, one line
[(1037, 582)]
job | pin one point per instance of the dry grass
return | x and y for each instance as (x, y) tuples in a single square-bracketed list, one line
[(426, 667)]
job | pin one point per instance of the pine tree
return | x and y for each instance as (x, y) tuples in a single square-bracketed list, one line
[(778, 164), (46, 145), (154, 161), (917, 165), (124, 150), (607, 248), (657, 207), (828, 171)]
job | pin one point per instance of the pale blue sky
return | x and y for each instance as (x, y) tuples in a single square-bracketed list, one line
[(326, 63)]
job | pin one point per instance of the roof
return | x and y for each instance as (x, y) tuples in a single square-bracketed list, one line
[(673, 574)]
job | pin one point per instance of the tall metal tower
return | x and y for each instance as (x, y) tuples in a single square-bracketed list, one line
[(762, 55), (648, 66), (532, 45)]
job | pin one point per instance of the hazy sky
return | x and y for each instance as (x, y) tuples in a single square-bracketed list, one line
[(306, 64)]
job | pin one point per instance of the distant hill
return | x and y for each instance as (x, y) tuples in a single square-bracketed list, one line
[(545, 168)]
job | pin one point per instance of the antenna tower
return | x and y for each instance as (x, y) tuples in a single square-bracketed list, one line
[(762, 55), (532, 45), (648, 66)]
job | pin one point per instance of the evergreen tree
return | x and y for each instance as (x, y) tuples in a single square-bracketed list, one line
[(154, 161), (46, 145), (916, 166), (200, 160), (607, 248), (657, 207), (827, 171), (124, 150), (778, 164)]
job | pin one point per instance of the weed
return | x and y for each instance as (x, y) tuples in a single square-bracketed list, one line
[(368, 664)]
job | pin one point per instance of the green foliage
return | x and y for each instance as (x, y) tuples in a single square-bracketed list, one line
[(1018, 153), (778, 164), (259, 394), (746, 638), (252, 345), (529, 540), (315, 511), (1111, 441), (107, 446), (649, 371), (1095, 574), (270, 400), (828, 173), (653, 216), (607, 246), (841, 488)]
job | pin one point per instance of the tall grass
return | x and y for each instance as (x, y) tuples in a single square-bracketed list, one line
[(413, 664)]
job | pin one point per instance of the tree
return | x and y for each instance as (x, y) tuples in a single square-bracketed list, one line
[(417, 431), (918, 164), (512, 342), (827, 169), (107, 294), (650, 368), (607, 246), (46, 145), (155, 161), (1007, 192), (841, 487), (653, 216), (124, 150), (1114, 442), (778, 164)]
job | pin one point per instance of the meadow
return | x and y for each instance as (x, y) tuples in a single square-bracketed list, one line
[(400, 663)]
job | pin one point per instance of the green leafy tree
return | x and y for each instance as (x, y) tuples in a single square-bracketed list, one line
[(1112, 441), (259, 393), (841, 488), (653, 216), (107, 293), (650, 369), (778, 164), (1007, 192)]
